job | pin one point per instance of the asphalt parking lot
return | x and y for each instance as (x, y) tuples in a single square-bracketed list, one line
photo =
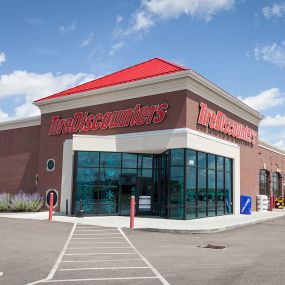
[(96, 255), (29, 248)]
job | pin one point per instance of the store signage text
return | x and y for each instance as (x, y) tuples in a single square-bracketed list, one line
[(86, 121), (220, 122)]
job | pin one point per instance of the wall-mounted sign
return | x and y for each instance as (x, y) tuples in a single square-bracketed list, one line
[(145, 202), (221, 123), (84, 121)]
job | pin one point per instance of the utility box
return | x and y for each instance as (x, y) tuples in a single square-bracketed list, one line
[(245, 205)]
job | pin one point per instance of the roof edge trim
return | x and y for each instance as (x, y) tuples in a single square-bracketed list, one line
[(271, 147), (20, 123)]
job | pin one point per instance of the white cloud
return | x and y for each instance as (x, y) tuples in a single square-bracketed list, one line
[(266, 99), (272, 129), (68, 29), (142, 21), (3, 116), (32, 86), (2, 58), (87, 40), (119, 19), (280, 143), (118, 31), (274, 53), (273, 121), (116, 47), (154, 10), (277, 10)]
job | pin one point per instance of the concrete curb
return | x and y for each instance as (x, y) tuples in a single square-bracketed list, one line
[(207, 231), (215, 229)]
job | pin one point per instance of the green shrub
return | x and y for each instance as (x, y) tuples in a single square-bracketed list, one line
[(4, 201), (23, 202), (35, 202)]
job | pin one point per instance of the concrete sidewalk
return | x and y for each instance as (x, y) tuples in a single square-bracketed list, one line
[(205, 225)]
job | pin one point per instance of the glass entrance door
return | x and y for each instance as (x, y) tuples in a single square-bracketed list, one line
[(127, 186), (144, 196)]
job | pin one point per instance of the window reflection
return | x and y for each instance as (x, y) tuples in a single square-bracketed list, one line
[(177, 157), (110, 159), (88, 159), (129, 160), (202, 159), (191, 158)]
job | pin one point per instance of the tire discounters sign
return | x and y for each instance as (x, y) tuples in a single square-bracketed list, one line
[(221, 123), (86, 121)]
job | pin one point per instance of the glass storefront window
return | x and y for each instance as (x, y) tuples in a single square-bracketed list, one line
[(191, 194), (130, 160), (202, 159), (109, 176), (211, 161), (220, 163), (228, 193), (220, 192), (145, 161), (88, 159), (108, 197), (211, 193), (110, 159), (202, 193), (228, 165), (177, 157), (86, 181), (145, 172), (176, 192), (129, 171), (191, 157), (197, 186)]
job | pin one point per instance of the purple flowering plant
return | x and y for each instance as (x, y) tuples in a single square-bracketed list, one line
[(21, 202)]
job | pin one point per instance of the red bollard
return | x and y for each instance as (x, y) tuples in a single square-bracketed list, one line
[(50, 206), (132, 212)]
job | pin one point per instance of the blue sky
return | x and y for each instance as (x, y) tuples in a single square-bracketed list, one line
[(48, 46)]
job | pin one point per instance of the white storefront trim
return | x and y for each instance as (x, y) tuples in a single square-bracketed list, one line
[(67, 175)]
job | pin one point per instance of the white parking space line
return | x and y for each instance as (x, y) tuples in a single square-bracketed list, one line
[(99, 238), (107, 230), (56, 265), (101, 260), (104, 234), (101, 242), (93, 227), (100, 279), (101, 253), (160, 277), (75, 248), (103, 268), (91, 247)]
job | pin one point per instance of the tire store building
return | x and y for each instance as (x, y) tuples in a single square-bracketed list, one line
[(182, 145)]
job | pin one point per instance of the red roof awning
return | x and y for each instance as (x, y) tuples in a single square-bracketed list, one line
[(152, 68)]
